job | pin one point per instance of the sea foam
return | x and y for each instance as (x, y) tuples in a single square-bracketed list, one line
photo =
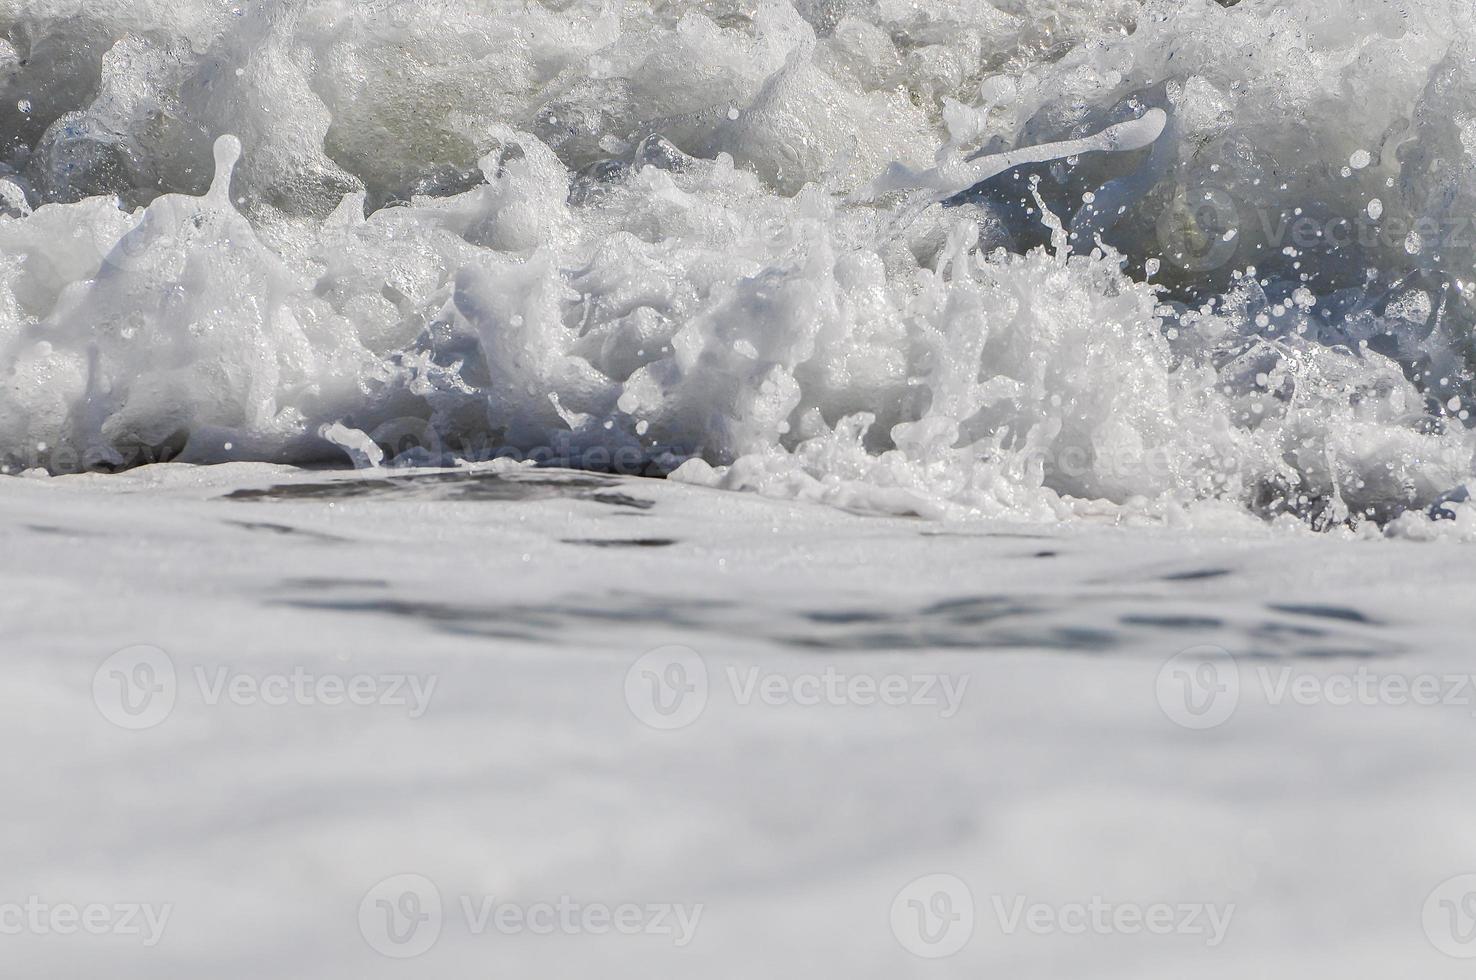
[(928, 257)]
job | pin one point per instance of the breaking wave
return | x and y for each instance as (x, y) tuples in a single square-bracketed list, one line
[(1013, 258)]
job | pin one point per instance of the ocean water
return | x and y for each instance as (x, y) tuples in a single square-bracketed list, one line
[(730, 488), (616, 691), (941, 258)]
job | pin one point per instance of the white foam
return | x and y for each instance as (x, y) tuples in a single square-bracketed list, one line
[(632, 238)]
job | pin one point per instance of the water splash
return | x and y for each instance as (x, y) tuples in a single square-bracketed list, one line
[(808, 249)]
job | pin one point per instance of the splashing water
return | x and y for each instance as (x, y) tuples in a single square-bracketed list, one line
[(807, 248)]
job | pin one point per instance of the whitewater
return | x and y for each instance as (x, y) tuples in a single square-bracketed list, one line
[(728, 488), (933, 258)]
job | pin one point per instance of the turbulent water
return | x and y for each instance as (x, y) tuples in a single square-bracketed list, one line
[(1020, 257)]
